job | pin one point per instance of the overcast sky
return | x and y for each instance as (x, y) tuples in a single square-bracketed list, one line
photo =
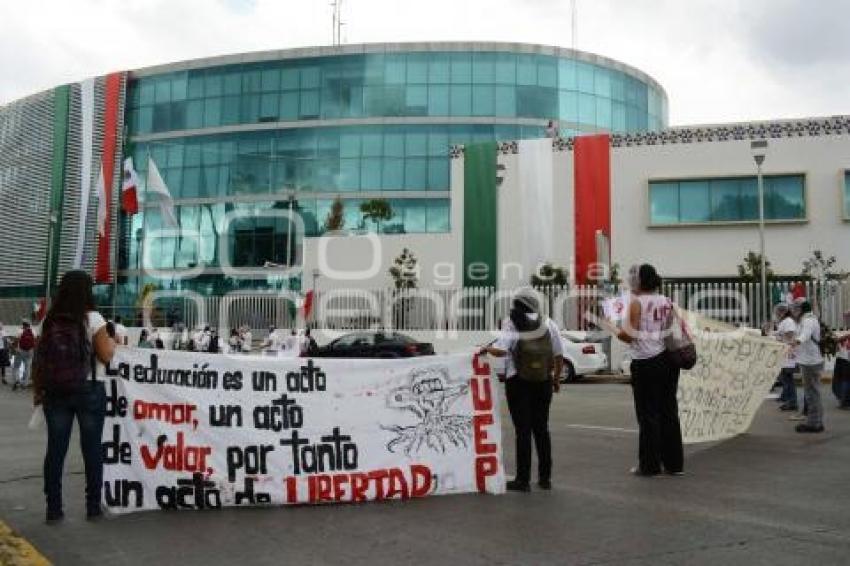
[(719, 60)]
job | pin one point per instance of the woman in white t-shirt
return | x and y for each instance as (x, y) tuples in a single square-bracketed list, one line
[(654, 379), (71, 385)]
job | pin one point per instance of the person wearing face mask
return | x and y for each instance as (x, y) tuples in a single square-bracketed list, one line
[(532, 345), (654, 379)]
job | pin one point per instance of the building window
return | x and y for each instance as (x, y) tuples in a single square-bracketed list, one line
[(731, 199), (847, 195)]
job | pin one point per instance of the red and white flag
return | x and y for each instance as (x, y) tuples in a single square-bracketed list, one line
[(129, 199), (102, 204)]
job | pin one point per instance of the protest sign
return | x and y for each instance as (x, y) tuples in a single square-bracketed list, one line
[(735, 370), (195, 431)]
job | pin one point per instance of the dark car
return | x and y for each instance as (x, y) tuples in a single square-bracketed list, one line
[(375, 345)]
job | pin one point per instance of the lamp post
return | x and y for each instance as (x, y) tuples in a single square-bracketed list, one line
[(759, 150)]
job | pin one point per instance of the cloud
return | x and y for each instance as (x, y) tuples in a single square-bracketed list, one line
[(719, 60)]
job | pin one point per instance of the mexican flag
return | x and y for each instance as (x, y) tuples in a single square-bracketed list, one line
[(129, 200)]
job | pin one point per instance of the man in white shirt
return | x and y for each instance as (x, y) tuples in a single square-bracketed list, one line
[(810, 359)]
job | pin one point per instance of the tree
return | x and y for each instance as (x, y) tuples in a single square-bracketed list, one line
[(405, 276), (403, 271), (335, 220), (820, 268), (750, 270), (377, 210), (549, 275)]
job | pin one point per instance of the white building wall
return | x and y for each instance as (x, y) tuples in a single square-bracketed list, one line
[(716, 250)]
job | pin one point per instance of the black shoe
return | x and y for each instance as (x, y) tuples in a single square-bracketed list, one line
[(514, 485), (844, 406), (636, 471), (94, 513), (545, 484), (15, 386), (54, 517), (808, 428), (787, 407)]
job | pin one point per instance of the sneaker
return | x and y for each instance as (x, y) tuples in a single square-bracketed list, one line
[(797, 417), (787, 407), (677, 473), (54, 517), (545, 484), (636, 471), (808, 428), (514, 485)]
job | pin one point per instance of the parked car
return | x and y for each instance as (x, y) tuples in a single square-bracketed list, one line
[(375, 344), (581, 357)]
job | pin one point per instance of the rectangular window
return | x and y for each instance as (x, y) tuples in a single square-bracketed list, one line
[(309, 104), (438, 100), (289, 105), (733, 199), (484, 68), (847, 195), (505, 69), (526, 70), (505, 97), (417, 68), (439, 213), (460, 100), (461, 68), (483, 100), (586, 78), (438, 69)]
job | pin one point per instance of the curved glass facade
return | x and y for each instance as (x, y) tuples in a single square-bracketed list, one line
[(436, 84), (357, 126)]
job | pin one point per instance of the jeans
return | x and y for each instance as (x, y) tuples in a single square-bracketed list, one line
[(22, 359), (89, 407), (789, 388), (528, 403), (841, 381), (811, 391), (654, 384)]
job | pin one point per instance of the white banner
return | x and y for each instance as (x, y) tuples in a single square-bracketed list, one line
[(536, 202), (735, 370), (194, 431)]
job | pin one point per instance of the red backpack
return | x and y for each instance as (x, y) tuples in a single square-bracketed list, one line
[(27, 341)]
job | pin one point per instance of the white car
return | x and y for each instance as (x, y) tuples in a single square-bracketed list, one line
[(581, 356)]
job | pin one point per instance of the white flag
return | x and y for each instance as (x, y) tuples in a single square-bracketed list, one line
[(157, 189), (102, 204)]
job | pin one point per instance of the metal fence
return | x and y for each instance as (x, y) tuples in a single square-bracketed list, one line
[(473, 309)]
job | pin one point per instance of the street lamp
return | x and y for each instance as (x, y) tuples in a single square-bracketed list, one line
[(759, 150)]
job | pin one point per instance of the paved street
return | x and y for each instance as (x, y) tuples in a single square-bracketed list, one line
[(769, 497)]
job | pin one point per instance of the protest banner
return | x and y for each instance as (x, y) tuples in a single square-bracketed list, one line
[(196, 431), (735, 370)]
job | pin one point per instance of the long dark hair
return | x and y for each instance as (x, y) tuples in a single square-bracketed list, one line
[(74, 298), (647, 278)]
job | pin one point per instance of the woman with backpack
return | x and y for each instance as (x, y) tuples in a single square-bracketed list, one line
[(76, 343), (655, 379), (532, 344)]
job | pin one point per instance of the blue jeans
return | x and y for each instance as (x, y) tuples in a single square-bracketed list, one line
[(89, 407), (789, 389)]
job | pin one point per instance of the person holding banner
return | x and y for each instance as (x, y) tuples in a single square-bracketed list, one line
[(654, 378), (533, 371), (76, 344)]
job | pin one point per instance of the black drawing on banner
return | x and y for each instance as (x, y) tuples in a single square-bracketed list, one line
[(429, 396)]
